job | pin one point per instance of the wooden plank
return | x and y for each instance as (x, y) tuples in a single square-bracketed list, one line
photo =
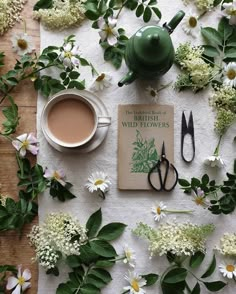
[(14, 250)]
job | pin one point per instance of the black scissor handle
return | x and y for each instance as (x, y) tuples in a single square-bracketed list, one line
[(176, 179), (155, 167)]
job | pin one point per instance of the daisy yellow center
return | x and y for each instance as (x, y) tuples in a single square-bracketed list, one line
[(199, 200), (22, 44), (68, 54), (158, 210), (233, 12), (21, 281), (192, 22), (153, 93), (135, 285), (108, 30), (231, 74), (230, 268), (98, 182), (128, 254), (100, 78), (25, 144), (56, 175)]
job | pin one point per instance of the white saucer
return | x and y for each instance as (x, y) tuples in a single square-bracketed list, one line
[(99, 135)]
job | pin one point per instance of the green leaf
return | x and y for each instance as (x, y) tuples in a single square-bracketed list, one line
[(43, 4), (175, 275), (94, 223), (196, 289), (73, 261), (74, 75), (87, 255), (105, 263), (102, 274), (157, 12), (147, 14), (210, 269), (215, 286), (196, 259), (195, 183), (76, 84), (205, 179), (216, 2), (225, 29), (139, 10), (97, 282), (12, 118), (210, 51), (230, 53), (212, 36), (151, 279), (103, 248), (111, 231), (57, 190), (184, 183), (89, 289)]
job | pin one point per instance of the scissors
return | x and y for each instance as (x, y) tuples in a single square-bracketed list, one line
[(163, 166), (187, 129)]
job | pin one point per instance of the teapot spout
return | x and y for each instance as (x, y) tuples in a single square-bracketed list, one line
[(174, 22), (127, 79)]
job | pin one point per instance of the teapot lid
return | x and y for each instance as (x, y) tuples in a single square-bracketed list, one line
[(152, 45)]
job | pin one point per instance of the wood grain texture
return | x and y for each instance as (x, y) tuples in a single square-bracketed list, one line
[(12, 249)]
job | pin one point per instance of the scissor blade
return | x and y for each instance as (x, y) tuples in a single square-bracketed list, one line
[(184, 124), (163, 150), (191, 124)]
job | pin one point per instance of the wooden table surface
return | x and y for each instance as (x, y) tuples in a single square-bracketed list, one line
[(12, 249)]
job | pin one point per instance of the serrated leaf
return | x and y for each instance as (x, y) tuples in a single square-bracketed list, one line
[(94, 223), (210, 269), (230, 53), (111, 231), (175, 275), (215, 286), (103, 248), (212, 36), (196, 259), (210, 51), (89, 289)]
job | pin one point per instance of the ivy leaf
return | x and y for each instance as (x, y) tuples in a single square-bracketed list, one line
[(196, 259), (111, 231), (94, 223), (151, 279), (212, 36), (175, 275), (210, 269), (103, 248), (214, 286)]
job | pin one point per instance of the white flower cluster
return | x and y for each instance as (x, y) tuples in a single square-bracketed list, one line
[(63, 14), (228, 244), (179, 239), (201, 4), (198, 73), (57, 236), (10, 13), (3, 199)]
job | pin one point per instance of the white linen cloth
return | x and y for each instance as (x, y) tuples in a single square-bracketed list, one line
[(131, 207)]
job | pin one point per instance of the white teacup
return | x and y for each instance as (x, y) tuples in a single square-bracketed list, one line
[(70, 120)]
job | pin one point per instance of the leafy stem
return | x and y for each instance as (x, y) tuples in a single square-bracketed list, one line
[(121, 8)]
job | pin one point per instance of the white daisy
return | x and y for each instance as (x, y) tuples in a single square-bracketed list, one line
[(136, 283), (98, 181), (190, 24), (130, 256), (26, 142), (22, 44), (153, 93), (230, 11), (108, 31), (69, 55), (57, 175), (159, 211), (20, 283), (102, 81), (228, 270), (214, 161), (230, 74)]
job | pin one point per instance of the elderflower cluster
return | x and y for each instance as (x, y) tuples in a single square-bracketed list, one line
[(223, 102), (10, 13), (198, 73), (179, 239), (63, 14), (228, 244), (3, 199), (59, 235), (202, 4)]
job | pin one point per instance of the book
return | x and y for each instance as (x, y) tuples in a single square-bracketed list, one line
[(142, 129)]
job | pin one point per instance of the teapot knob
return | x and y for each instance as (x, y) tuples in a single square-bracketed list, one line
[(155, 39)]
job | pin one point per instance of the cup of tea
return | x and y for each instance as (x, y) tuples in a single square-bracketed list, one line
[(70, 120)]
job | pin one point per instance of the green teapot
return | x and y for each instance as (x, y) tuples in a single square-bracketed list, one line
[(150, 53)]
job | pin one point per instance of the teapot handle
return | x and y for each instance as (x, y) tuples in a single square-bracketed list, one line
[(174, 22)]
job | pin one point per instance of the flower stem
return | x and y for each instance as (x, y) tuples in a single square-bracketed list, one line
[(121, 8), (164, 86), (216, 152), (178, 211)]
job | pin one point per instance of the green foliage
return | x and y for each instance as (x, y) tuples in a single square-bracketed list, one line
[(12, 118), (2, 55), (43, 4), (222, 197), (4, 269), (88, 269), (15, 214), (175, 277), (144, 155)]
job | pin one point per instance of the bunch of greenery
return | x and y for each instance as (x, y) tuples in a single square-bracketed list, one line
[(97, 9), (222, 197), (4, 269)]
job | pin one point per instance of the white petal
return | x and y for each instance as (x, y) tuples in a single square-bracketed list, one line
[(103, 35), (22, 137), (111, 40), (67, 62), (75, 50), (25, 286), (32, 139), (68, 47), (17, 290), (22, 152), (101, 23), (112, 22), (11, 283), (33, 149), (17, 144), (26, 274)]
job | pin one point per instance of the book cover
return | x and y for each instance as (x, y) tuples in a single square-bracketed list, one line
[(141, 132)]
